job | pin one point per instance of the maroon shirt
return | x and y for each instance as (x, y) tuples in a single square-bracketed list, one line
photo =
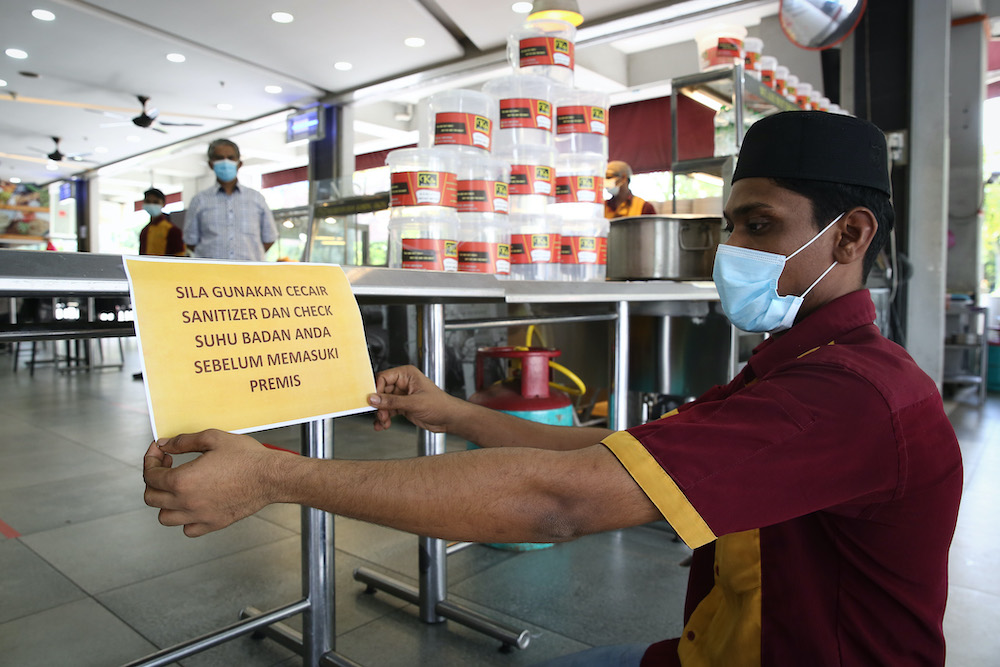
[(822, 486)]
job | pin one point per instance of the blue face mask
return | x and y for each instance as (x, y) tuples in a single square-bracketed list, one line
[(225, 170), (747, 282), (154, 210)]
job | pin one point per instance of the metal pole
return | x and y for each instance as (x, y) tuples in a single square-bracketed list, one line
[(619, 417), (432, 556), (317, 557)]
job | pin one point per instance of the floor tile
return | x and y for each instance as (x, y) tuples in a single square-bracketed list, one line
[(29, 585), (81, 634), (970, 628), (44, 506), (116, 551)]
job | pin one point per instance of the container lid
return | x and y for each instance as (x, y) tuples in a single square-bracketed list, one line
[(430, 159)]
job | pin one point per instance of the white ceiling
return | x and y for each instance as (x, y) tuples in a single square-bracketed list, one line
[(98, 55)]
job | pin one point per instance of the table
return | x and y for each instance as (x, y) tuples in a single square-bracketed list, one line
[(79, 274)]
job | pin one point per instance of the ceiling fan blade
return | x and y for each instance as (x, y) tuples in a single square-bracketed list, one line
[(156, 129), (43, 151), (109, 114), (166, 122), (26, 158)]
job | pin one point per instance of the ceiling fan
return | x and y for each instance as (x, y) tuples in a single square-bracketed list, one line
[(146, 118), (57, 155)]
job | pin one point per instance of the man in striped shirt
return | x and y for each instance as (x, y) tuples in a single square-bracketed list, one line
[(228, 220)]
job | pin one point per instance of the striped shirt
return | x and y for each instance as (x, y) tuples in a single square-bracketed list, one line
[(232, 226)]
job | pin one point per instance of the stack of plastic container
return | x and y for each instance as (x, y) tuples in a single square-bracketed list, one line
[(449, 198), (556, 140), (423, 223)]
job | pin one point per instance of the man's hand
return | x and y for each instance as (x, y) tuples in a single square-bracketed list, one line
[(228, 482), (408, 392)]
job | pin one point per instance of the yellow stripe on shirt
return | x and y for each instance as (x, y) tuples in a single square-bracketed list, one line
[(660, 489)]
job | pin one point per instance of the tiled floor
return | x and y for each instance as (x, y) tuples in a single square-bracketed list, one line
[(93, 579)]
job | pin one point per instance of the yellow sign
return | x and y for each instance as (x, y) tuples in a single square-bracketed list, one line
[(245, 346)]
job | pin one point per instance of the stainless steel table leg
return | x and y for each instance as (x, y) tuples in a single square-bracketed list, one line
[(433, 578), (317, 557), (432, 557), (619, 416)]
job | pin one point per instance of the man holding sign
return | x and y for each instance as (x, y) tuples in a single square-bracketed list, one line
[(819, 488)]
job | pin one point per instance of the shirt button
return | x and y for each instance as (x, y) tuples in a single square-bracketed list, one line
[(690, 636)]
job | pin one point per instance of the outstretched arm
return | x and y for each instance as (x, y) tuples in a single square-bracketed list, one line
[(408, 392), (497, 495)]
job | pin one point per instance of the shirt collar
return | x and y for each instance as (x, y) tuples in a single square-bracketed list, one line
[(219, 188), (826, 324)]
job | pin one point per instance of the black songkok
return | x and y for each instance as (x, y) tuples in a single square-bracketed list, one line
[(815, 146)]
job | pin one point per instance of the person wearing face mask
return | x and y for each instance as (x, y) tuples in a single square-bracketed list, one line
[(819, 488), (228, 220), (621, 201), (160, 236)]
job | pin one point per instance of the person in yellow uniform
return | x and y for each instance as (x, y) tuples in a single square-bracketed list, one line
[(160, 236), (623, 202)]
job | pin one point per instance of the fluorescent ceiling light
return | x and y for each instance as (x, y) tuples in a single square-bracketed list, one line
[(14, 179), (282, 17), (176, 57), (2, 83), (52, 166), (521, 7), (274, 90), (223, 106), (17, 53), (342, 66), (414, 42), (43, 15)]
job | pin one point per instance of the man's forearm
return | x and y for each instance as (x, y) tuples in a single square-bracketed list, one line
[(492, 428), (505, 495)]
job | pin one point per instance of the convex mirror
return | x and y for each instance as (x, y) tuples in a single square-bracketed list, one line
[(819, 24)]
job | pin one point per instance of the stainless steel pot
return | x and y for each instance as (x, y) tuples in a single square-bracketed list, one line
[(663, 247)]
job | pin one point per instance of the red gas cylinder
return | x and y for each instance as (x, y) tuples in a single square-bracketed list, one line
[(528, 394)]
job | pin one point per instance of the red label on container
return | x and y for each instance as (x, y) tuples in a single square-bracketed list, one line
[(779, 86), (750, 60), (582, 120), (767, 77), (430, 254), (546, 51), (463, 129), (586, 189), (523, 112), (791, 90), (534, 248), (802, 101), (483, 197), (532, 179), (583, 250), (423, 188), (482, 257)]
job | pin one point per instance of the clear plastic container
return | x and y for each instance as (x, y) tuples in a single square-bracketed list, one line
[(780, 79), (824, 104), (767, 67), (545, 48), (752, 48), (526, 111), (791, 86), (814, 99), (535, 247), (532, 178), (483, 184), (803, 92), (484, 243), (579, 185), (720, 46), (582, 121), (423, 181), (461, 119), (725, 131), (584, 248), (424, 241)]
